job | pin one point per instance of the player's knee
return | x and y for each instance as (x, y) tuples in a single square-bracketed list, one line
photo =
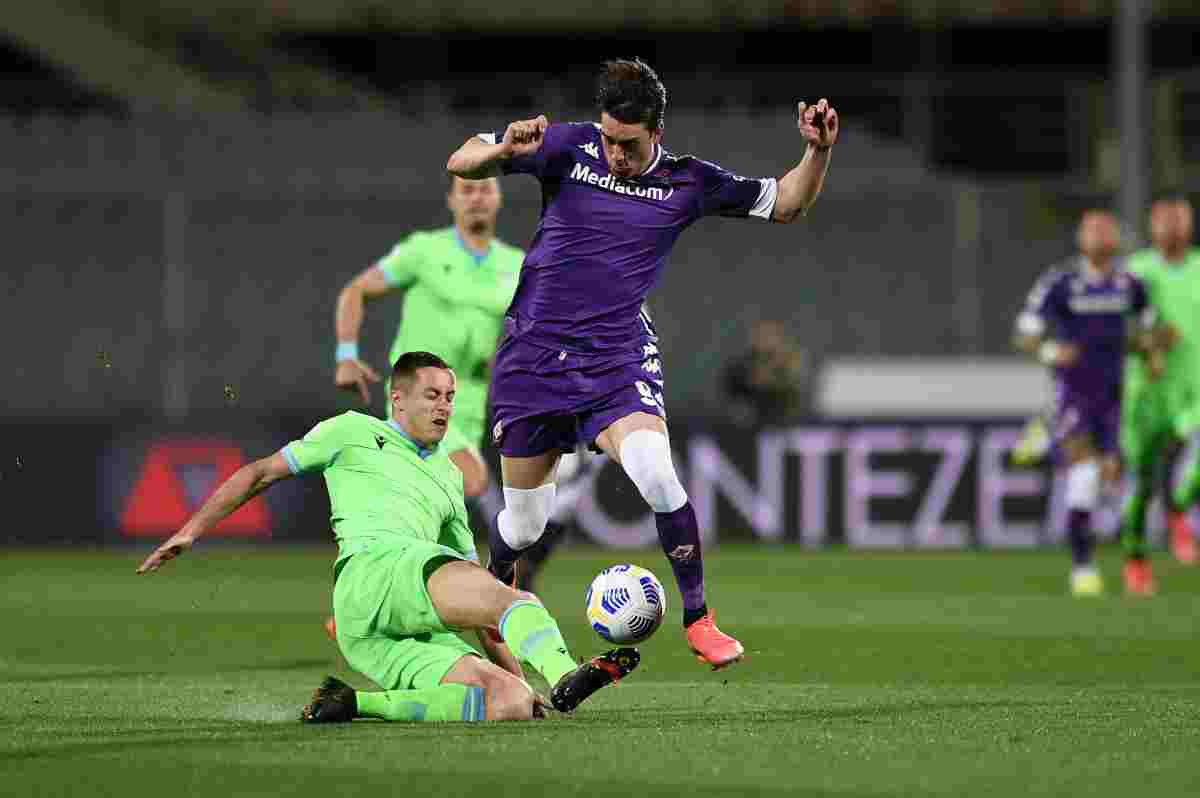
[(469, 670), (525, 515), (505, 696), (508, 700), (1077, 450), (1110, 470), (646, 456), (500, 598)]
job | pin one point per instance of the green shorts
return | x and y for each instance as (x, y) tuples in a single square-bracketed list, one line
[(1151, 421), (1145, 428), (387, 627)]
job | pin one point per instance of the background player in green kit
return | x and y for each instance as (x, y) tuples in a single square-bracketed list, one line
[(1158, 416), (406, 576), (458, 282)]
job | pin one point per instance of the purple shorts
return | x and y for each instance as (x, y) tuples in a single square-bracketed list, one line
[(547, 400), (1096, 418)]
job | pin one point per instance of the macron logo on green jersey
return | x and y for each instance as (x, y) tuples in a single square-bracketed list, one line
[(380, 441)]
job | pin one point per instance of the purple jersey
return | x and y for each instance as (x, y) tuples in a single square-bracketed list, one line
[(1093, 313), (602, 240)]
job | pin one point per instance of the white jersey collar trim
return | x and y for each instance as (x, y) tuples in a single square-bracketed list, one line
[(653, 164)]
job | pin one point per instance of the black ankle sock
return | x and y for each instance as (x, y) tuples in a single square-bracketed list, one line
[(691, 616), (501, 557), (1079, 535)]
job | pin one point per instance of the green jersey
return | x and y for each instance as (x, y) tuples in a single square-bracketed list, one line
[(454, 307), (383, 486), (1174, 291)]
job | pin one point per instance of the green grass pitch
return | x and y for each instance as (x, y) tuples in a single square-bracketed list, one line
[(955, 674)]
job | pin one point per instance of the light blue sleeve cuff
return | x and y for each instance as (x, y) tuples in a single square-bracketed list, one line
[(293, 463), (346, 350), (387, 276)]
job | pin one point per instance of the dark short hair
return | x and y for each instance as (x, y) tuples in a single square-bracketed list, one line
[(630, 92), (1173, 197), (406, 365)]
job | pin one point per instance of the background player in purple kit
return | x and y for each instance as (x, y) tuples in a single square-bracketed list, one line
[(1076, 320), (580, 362)]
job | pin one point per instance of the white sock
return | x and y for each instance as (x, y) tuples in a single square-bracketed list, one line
[(646, 456), (1083, 485)]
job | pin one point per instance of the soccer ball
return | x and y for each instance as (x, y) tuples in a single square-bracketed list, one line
[(625, 604)]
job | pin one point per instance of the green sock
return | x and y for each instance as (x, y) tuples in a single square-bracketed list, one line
[(1133, 514), (441, 703), (535, 640), (1188, 489)]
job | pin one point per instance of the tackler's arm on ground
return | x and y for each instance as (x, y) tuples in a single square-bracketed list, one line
[(501, 655), (476, 159), (800, 187), (246, 483)]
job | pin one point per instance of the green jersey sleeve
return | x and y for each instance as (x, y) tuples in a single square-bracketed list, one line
[(402, 265), (317, 450), (1141, 263)]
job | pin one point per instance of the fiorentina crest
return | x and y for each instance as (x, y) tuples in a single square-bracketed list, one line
[(682, 552)]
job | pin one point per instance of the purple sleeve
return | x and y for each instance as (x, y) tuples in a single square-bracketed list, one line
[(725, 194), (1043, 306), (1054, 308), (537, 163)]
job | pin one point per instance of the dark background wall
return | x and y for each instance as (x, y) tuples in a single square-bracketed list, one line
[(184, 189), (155, 260)]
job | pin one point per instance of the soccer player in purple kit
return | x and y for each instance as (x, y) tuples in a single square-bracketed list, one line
[(1076, 320), (580, 361)]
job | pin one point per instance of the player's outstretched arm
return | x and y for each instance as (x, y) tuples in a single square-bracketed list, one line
[(352, 373), (501, 655), (799, 188), (246, 483), (476, 159)]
